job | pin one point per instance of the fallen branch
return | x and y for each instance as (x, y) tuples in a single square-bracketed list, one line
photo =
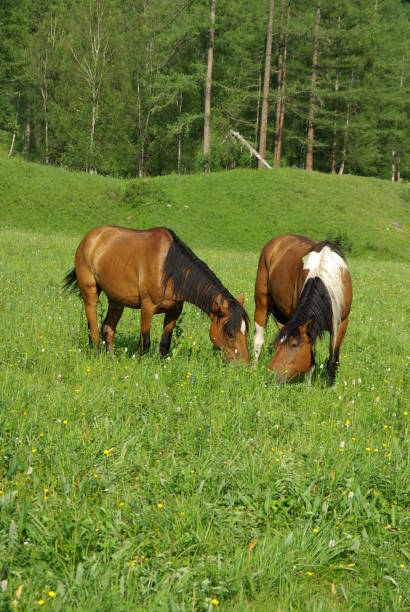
[(249, 147)]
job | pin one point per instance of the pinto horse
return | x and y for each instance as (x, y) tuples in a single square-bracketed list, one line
[(307, 287), (155, 271)]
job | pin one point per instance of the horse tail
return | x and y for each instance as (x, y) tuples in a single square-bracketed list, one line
[(71, 282)]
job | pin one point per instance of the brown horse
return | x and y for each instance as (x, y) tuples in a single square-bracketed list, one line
[(155, 271), (307, 287)]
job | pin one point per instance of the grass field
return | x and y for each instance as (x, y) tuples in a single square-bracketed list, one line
[(180, 484)]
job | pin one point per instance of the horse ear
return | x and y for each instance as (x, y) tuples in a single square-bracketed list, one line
[(280, 325), (241, 298)]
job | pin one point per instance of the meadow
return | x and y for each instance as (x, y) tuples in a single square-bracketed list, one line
[(182, 483)]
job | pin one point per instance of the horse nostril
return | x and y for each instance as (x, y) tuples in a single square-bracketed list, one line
[(279, 379)]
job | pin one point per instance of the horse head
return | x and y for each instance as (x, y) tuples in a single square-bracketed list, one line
[(229, 328), (293, 352)]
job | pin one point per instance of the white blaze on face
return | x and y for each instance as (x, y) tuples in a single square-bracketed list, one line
[(258, 339), (328, 266), (243, 326)]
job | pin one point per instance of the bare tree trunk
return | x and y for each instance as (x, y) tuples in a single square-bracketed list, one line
[(179, 105), (346, 135), (266, 81), (13, 140), (394, 151), (44, 95), (258, 105), (27, 133), (393, 165), (92, 68), (280, 78), (208, 87), (311, 128), (283, 98), (252, 151), (342, 165), (51, 39), (334, 144)]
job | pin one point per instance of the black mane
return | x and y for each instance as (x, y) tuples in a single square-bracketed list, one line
[(314, 305), (333, 246), (194, 282)]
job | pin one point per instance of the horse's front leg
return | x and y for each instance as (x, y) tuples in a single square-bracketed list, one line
[(261, 319), (309, 373), (333, 361), (170, 320), (147, 312)]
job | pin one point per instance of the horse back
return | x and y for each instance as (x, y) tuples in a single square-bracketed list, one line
[(281, 267), (125, 263)]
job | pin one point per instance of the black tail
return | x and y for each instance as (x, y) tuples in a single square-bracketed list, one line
[(71, 282)]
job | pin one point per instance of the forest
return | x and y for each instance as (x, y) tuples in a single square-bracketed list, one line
[(150, 87)]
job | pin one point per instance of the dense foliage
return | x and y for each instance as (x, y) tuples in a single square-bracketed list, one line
[(117, 86)]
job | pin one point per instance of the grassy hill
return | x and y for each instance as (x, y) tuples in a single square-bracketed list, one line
[(240, 210)]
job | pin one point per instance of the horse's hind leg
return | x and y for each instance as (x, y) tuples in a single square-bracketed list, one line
[(333, 360), (147, 312), (170, 321), (90, 293), (110, 323)]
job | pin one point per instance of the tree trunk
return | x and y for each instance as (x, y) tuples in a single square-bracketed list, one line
[(311, 128), (279, 132), (266, 81), (13, 140), (179, 163), (334, 144), (397, 165), (393, 165), (27, 133), (258, 105), (252, 151), (92, 65), (208, 86), (94, 113), (44, 95), (280, 78), (342, 165)]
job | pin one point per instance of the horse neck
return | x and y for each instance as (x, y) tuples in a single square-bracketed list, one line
[(209, 305)]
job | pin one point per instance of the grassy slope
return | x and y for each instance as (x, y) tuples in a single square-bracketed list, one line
[(217, 485), (240, 210)]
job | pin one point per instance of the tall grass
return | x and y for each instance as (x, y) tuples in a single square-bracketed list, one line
[(182, 483)]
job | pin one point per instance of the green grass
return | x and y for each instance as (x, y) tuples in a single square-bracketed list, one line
[(237, 211), (215, 484)]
